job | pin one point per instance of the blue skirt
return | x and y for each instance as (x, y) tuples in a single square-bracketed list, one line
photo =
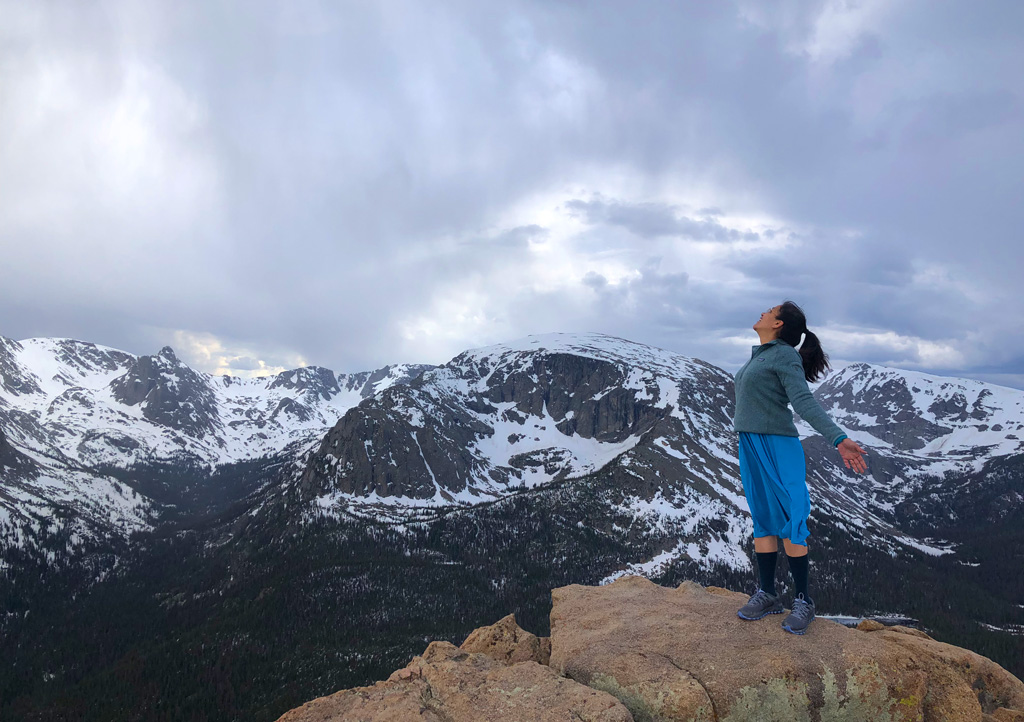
[(774, 475)]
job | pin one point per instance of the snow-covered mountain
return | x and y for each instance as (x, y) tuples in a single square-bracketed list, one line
[(523, 414), (71, 412), (94, 405), (931, 438), (955, 423)]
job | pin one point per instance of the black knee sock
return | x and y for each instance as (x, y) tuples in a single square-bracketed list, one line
[(798, 568), (766, 570)]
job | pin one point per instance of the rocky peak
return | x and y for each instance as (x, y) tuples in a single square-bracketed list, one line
[(633, 651), (583, 395), (878, 391), (169, 393)]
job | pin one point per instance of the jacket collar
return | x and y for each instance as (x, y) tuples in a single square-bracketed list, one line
[(763, 347)]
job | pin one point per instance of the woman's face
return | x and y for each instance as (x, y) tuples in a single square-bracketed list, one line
[(769, 320)]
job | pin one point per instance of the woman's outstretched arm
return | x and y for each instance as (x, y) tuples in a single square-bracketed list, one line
[(804, 403), (792, 377)]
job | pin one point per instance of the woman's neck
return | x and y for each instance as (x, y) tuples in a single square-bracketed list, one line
[(767, 336)]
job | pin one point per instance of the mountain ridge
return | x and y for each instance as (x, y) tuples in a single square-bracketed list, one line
[(79, 414), (521, 413)]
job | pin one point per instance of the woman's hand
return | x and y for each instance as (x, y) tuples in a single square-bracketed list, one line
[(853, 455)]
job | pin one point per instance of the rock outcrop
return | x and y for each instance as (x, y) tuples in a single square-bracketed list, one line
[(507, 643), (689, 657), (502, 681), (633, 650)]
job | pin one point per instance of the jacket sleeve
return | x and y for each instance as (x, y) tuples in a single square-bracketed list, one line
[(791, 374)]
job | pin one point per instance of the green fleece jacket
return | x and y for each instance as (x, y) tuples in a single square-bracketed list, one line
[(767, 383)]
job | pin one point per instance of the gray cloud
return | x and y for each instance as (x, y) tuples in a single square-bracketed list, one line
[(595, 280), (245, 363), (363, 184), (653, 220), (518, 238)]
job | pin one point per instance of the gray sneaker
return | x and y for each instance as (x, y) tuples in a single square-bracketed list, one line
[(760, 605), (801, 616)]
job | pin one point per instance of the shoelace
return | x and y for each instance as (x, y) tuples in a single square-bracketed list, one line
[(802, 609), (760, 596)]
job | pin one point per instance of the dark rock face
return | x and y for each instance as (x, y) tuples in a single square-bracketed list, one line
[(993, 495), (375, 449), (292, 408), (87, 357), (12, 378), (14, 465), (112, 437), (310, 380), (170, 394), (583, 395), (891, 403), (957, 408), (5, 447)]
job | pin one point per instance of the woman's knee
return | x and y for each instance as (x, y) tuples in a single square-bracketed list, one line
[(795, 550)]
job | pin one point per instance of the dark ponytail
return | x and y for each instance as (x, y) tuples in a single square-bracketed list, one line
[(794, 325)]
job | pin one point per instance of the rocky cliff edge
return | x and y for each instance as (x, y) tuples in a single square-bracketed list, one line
[(635, 651)]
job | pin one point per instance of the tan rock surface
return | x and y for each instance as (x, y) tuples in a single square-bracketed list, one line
[(505, 642), (447, 684), (636, 652), (683, 654)]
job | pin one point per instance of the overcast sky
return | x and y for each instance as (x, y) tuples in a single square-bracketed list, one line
[(351, 184)]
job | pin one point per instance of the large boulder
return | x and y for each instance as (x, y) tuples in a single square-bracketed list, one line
[(508, 643), (447, 684), (683, 654)]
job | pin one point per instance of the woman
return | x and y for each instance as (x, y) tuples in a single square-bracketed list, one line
[(772, 464)]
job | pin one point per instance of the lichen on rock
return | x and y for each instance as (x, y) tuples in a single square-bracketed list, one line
[(777, 700), (866, 697)]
